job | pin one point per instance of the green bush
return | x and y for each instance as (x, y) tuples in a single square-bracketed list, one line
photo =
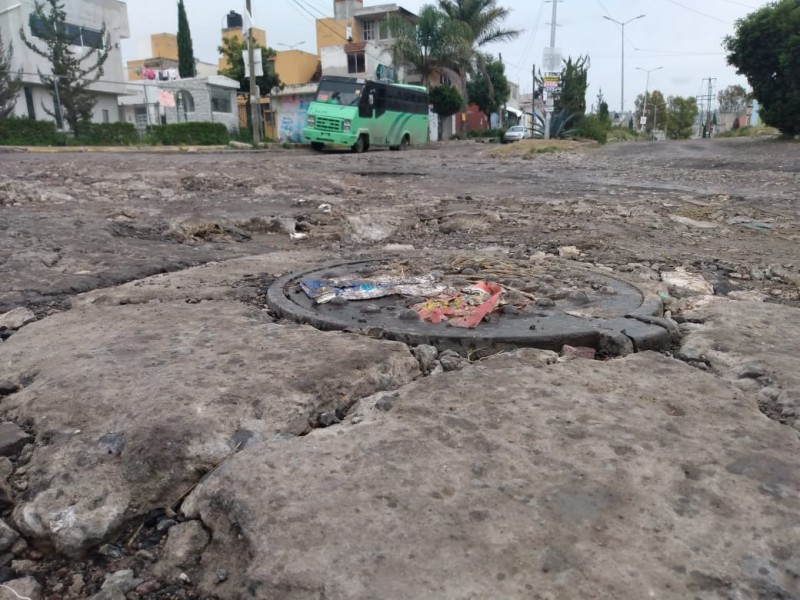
[(27, 132), (486, 133), (591, 126), (106, 134), (195, 134)]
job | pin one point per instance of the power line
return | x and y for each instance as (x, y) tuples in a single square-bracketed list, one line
[(740, 4), (702, 14)]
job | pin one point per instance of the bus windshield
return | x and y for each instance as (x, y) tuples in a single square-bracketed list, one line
[(347, 93)]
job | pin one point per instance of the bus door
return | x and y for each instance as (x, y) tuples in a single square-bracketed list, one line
[(375, 101)]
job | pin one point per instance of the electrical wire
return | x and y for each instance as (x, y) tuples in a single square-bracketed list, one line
[(702, 14), (740, 4)]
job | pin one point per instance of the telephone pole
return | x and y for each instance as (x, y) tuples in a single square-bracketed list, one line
[(255, 101), (549, 103), (706, 111)]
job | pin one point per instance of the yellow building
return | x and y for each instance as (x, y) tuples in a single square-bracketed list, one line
[(296, 67), (163, 55)]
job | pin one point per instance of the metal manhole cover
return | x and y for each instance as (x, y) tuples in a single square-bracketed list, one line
[(543, 305)]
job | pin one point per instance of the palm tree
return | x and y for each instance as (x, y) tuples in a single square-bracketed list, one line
[(431, 44), (479, 22)]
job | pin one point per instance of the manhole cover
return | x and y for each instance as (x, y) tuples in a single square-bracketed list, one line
[(543, 305)]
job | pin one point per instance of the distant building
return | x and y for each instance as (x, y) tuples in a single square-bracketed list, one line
[(211, 99), (356, 41), (162, 64), (85, 19)]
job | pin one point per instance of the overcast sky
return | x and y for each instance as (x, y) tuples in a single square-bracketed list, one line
[(682, 36)]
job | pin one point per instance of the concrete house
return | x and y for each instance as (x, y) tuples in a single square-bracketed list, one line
[(86, 19), (355, 42)]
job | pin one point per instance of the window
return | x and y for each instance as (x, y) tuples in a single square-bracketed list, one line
[(106, 116), (221, 102), (140, 116), (356, 63), (185, 104), (29, 103), (383, 31), (370, 30), (77, 34)]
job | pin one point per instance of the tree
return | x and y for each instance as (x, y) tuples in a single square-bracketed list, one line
[(431, 44), (765, 48), (446, 101), (655, 104), (232, 49), (602, 110), (186, 62), (479, 23), (69, 76), (574, 83), (480, 87), (733, 99), (681, 115), (10, 84)]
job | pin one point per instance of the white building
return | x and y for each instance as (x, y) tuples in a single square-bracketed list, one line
[(86, 19), (211, 99)]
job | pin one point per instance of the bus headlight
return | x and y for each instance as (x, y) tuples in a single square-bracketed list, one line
[(346, 125), (312, 120)]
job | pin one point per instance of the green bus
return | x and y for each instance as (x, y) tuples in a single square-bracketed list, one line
[(360, 114)]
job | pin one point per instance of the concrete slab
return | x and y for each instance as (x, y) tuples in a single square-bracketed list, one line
[(131, 404), (635, 478)]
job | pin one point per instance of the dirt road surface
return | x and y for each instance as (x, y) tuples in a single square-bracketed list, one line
[(165, 434)]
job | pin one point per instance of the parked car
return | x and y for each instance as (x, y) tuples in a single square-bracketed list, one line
[(517, 133)]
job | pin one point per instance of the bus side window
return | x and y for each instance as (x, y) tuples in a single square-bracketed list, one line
[(364, 105), (380, 100)]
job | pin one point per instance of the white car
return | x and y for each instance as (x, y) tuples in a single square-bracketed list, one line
[(517, 133)]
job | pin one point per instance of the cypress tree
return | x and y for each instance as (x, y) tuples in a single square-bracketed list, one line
[(186, 65)]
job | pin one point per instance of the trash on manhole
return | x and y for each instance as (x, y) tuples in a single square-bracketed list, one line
[(355, 288), (463, 308)]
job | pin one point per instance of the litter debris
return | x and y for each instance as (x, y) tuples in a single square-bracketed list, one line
[(325, 208), (352, 288), (464, 308), (296, 235)]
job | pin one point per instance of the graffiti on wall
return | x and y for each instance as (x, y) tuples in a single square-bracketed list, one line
[(292, 117)]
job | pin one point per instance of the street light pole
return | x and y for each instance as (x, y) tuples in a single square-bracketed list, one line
[(646, 90), (622, 25)]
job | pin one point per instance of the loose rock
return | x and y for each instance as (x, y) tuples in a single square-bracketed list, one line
[(12, 439), (7, 536), (17, 318), (24, 587)]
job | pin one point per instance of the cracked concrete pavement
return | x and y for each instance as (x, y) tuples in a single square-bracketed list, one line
[(176, 438)]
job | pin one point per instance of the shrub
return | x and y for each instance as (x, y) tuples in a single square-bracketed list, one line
[(486, 133), (106, 134), (28, 132), (591, 126), (198, 134)]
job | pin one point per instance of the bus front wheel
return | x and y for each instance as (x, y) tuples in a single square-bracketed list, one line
[(317, 146), (361, 144), (404, 143)]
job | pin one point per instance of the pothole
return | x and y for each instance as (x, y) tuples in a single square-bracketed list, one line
[(547, 305)]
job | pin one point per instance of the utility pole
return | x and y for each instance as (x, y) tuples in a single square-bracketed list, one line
[(255, 103), (533, 100), (550, 103), (646, 92)]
